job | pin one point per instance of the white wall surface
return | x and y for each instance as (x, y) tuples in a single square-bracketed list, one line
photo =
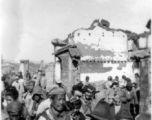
[(101, 39), (57, 71)]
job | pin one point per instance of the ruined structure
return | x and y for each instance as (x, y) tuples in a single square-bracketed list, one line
[(98, 51)]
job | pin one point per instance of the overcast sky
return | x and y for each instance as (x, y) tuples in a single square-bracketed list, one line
[(28, 26)]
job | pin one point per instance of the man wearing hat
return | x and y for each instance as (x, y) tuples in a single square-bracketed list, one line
[(38, 97), (57, 109), (128, 98), (60, 84), (46, 103), (14, 110), (87, 99)]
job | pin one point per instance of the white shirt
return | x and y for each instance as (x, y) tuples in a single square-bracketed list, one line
[(49, 115), (122, 82), (43, 105), (27, 98)]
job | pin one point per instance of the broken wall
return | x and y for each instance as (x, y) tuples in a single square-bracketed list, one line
[(99, 43), (49, 70), (98, 71)]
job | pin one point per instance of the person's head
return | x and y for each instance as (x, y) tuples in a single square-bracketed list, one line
[(129, 86), (114, 85), (14, 110), (11, 94), (20, 75), (88, 95), (57, 95), (38, 94), (76, 91), (37, 97), (16, 78), (89, 92), (124, 77), (109, 78), (31, 85), (87, 78), (58, 102), (117, 78)]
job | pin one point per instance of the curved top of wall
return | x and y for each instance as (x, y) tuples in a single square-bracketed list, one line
[(100, 42)]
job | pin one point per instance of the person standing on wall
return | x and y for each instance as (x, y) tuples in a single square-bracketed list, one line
[(39, 77), (22, 85), (137, 89), (43, 81)]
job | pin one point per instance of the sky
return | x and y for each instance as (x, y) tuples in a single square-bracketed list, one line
[(28, 26)]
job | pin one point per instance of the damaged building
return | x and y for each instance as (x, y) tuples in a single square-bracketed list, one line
[(98, 52)]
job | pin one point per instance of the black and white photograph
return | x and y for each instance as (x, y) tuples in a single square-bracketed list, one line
[(75, 59)]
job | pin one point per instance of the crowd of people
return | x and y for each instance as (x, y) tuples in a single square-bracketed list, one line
[(28, 99)]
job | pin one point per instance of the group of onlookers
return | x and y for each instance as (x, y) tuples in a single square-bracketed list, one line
[(27, 98)]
